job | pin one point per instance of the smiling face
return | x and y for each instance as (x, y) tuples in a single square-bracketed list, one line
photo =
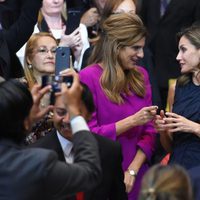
[(51, 7), (129, 55), (188, 56), (43, 56), (61, 117)]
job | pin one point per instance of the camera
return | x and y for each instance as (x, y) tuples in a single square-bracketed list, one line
[(55, 82)]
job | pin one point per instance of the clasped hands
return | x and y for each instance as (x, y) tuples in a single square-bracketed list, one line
[(172, 122)]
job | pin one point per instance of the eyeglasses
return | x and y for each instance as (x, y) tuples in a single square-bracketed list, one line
[(61, 112), (44, 50)]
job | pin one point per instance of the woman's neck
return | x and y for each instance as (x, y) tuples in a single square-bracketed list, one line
[(53, 21), (196, 78)]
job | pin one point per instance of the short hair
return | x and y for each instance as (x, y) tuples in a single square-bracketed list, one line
[(15, 105), (170, 182)]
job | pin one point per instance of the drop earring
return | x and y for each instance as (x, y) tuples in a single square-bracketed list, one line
[(30, 66)]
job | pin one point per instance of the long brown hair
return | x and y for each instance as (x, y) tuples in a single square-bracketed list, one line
[(119, 31)]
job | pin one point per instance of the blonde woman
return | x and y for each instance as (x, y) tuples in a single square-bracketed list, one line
[(40, 60), (39, 57)]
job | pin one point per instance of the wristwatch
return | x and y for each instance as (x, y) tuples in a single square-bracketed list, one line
[(132, 172)]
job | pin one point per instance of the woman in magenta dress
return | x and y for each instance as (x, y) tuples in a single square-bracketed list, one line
[(122, 95)]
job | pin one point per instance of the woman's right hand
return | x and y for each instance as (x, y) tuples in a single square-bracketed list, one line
[(141, 117), (71, 40), (159, 123), (144, 115)]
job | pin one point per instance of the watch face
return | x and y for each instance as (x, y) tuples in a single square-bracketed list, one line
[(132, 173)]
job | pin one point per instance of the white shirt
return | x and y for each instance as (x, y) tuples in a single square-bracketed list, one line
[(78, 123), (66, 146)]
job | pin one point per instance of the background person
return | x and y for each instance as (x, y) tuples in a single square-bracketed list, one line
[(13, 36), (51, 19), (166, 182)]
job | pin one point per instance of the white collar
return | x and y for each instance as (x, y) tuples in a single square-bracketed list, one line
[(66, 145)]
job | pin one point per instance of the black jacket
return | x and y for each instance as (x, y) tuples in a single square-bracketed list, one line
[(36, 174), (112, 186), (18, 18)]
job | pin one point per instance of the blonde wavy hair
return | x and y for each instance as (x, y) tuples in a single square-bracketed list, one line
[(29, 54), (119, 31)]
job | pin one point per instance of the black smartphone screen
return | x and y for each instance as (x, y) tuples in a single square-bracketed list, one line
[(73, 20), (62, 59)]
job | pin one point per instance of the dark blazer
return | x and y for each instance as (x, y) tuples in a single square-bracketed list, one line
[(36, 173), (112, 186), (163, 30), (18, 24)]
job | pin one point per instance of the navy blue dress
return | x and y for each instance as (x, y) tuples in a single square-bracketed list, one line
[(186, 146)]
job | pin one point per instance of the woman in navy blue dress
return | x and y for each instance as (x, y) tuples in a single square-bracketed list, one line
[(180, 129)]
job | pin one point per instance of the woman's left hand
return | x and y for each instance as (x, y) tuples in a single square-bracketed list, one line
[(129, 181), (175, 122)]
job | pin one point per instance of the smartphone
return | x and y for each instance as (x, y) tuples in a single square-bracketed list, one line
[(46, 80), (62, 59), (55, 82), (73, 20)]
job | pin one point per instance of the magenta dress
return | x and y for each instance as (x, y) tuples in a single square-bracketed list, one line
[(108, 113)]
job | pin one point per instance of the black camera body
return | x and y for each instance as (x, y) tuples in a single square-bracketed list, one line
[(55, 82)]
